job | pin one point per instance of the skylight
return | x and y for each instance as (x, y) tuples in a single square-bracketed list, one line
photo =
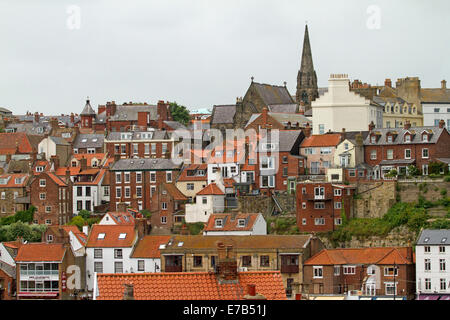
[(180, 244), (426, 239), (84, 140), (444, 240), (101, 236), (94, 140), (162, 246), (122, 236)]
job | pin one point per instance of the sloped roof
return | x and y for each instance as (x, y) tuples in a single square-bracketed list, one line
[(56, 179), (223, 114), (40, 252), (435, 237), (283, 108), (111, 238), (87, 110), (322, 140), (190, 286), (231, 225), (92, 140), (122, 218), (11, 183), (382, 255), (18, 141), (148, 247), (400, 133), (144, 164), (210, 189), (435, 95), (130, 112), (273, 95), (194, 167), (174, 192)]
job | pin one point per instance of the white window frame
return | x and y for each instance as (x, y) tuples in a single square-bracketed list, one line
[(317, 272)]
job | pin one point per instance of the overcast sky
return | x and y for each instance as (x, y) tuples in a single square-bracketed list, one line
[(203, 52)]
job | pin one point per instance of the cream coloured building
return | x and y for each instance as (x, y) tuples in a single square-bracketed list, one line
[(340, 108)]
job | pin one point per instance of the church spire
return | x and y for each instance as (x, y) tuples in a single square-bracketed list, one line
[(307, 90)]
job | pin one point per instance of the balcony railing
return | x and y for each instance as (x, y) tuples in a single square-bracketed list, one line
[(326, 196), (39, 272)]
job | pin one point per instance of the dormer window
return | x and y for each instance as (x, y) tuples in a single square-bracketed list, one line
[(373, 139), (389, 139), (407, 138), (39, 169), (101, 236), (122, 236), (241, 223), (218, 223), (425, 137)]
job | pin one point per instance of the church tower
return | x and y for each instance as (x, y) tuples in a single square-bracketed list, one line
[(307, 79)]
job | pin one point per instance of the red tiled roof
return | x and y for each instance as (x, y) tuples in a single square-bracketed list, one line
[(96, 181), (185, 177), (384, 255), (111, 238), (12, 180), (322, 140), (231, 225), (148, 247), (175, 192), (189, 286), (211, 189), (89, 157), (228, 182), (61, 171), (40, 252), (56, 179), (10, 143)]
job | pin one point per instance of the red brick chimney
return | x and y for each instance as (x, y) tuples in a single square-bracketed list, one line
[(122, 207), (67, 175), (142, 119), (264, 116), (227, 264), (407, 125), (371, 126), (307, 130), (36, 117), (388, 83), (441, 124), (251, 293), (72, 118), (83, 164)]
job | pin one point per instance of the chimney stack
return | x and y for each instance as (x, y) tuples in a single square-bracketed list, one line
[(55, 161), (86, 230), (227, 264), (307, 130), (67, 175), (407, 125), (251, 293), (83, 164), (72, 118), (36, 117), (388, 83), (443, 84), (371, 126), (122, 207), (441, 124), (264, 116), (343, 134)]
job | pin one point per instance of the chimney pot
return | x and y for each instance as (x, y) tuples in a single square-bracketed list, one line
[(441, 124), (443, 84), (407, 125)]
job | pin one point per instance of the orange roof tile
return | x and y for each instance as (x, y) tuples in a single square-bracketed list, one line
[(175, 192), (122, 218), (382, 255), (193, 167), (12, 180), (56, 179), (10, 143), (111, 238), (40, 252), (322, 140), (189, 286), (148, 247), (228, 182), (61, 171), (90, 156), (210, 189), (231, 225)]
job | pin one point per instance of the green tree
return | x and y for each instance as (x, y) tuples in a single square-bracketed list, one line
[(84, 214), (179, 113), (413, 171), (77, 221), (25, 216)]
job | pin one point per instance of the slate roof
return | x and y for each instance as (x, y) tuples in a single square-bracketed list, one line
[(190, 286), (144, 164), (130, 112), (137, 135), (284, 108), (273, 95), (435, 237), (59, 141), (399, 138), (87, 110), (92, 141), (175, 125), (435, 95), (29, 127), (223, 114), (286, 140)]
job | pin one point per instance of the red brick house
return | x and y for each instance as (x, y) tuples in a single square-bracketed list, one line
[(319, 205), (52, 197), (373, 271), (167, 206), (397, 148), (134, 181)]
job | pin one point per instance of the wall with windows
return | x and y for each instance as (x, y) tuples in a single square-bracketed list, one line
[(434, 112), (432, 269)]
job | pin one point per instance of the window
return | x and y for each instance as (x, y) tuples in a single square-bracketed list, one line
[(321, 128), (164, 147), (427, 249), (146, 148), (106, 191), (285, 172), (163, 219), (117, 253), (303, 205), (204, 200), (425, 169), (198, 261), (337, 192), (407, 153), (319, 221), (139, 192), (264, 261), (118, 267), (319, 205), (304, 221), (337, 270), (98, 266), (98, 253), (118, 177), (325, 150), (88, 191), (141, 265), (219, 223), (164, 206), (246, 261), (42, 196), (391, 288), (309, 151), (3, 195), (285, 159), (437, 110), (427, 264), (138, 177), (427, 284), (190, 186), (390, 154), (48, 221), (135, 148), (425, 137), (153, 148), (390, 271), (118, 192), (373, 139), (389, 139), (441, 264), (407, 138), (127, 192), (127, 177), (425, 153), (337, 205), (123, 148), (352, 173), (443, 284), (49, 238), (337, 221), (168, 176), (48, 209), (318, 272), (152, 176), (241, 223), (42, 182), (441, 249), (303, 190), (349, 269), (267, 181)]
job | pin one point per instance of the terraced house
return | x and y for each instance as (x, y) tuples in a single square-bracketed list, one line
[(13, 191), (252, 253)]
